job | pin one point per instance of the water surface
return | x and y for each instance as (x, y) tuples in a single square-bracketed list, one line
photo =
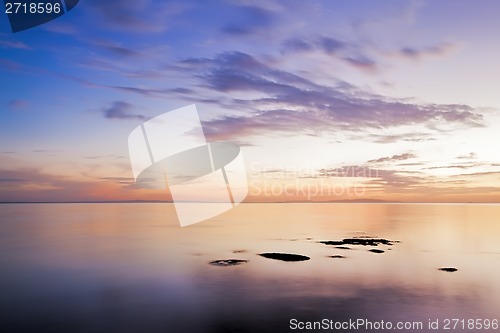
[(131, 268)]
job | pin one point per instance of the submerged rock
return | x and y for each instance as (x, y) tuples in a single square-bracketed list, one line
[(361, 241), (448, 269), (228, 262), (376, 250), (343, 247), (285, 256), (337, 256)]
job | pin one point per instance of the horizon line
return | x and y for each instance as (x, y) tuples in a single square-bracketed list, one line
[(355, 201)]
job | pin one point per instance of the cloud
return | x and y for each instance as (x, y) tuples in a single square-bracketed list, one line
[(362, 62), (296, 45), (126, 181), (327, 45), (269, 5), (394, 158), (291, 103), (105, 157), (470, 156), (419, 53), (115, 48), (331, 45), (17, 104), (66, 28), (480, 174), (391, 138), (249, 20), (171, 92), (14, 45), (121, 110), (137, 16), (464, 165), (47, 151), (350, 53), (34, 185), (12, 180), (387, 179)]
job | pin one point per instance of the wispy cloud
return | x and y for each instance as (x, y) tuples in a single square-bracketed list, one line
[(394, 158), (382, 178), (392, 138), (10, 65), (416, 53), (115, 48), (469, 156), (464, 165), (328, 45), (34, 185), (293, 103), (248, 20), (362, 62), (121, 110), (105, 157), (137, 16), (17, 104), (8, 44), (350, 53), (47, 151)]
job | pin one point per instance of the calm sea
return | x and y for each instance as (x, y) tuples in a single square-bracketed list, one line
[(131, 268)]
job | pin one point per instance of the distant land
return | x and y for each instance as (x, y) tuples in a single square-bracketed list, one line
[(252, 202)]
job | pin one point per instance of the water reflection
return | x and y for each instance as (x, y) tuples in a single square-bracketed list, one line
[(129, 268)]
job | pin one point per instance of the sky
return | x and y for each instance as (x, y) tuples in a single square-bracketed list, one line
[(328, 100)]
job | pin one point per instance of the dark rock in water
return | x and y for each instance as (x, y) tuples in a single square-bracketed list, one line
[(343, 247), (448, 269), (227, 262), (376, 251), (361, 241), (332, 242), (285, 256), (337, 256)]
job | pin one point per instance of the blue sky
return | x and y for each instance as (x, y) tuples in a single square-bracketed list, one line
[(405, 90)]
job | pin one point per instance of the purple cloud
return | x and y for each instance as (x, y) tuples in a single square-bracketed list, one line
[(418, 53), (293, 103), (138, 16), (14, 45), (17, 104), (121, 110), (249, 20)]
